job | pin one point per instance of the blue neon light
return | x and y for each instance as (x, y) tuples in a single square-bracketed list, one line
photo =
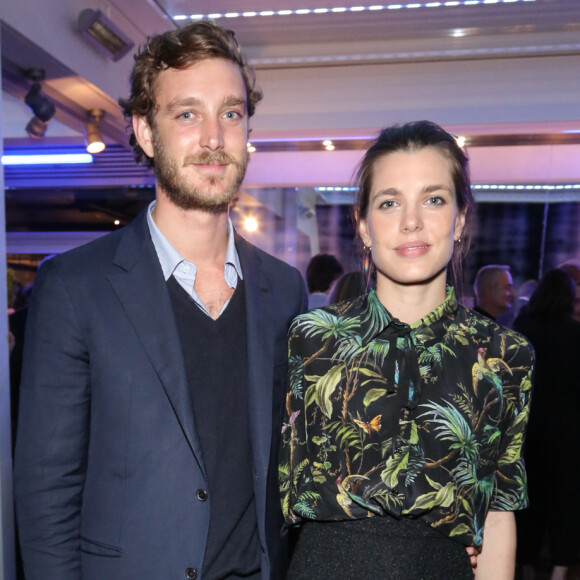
[(47, 159)]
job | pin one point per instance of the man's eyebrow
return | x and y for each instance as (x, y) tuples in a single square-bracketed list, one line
[(181, 103), (233, 101)]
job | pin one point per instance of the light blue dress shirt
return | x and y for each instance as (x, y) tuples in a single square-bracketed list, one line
[(173, 263)]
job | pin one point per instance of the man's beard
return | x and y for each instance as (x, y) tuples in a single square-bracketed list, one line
[(187, 196)]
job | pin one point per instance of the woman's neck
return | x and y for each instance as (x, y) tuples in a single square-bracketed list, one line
[(411, 302)]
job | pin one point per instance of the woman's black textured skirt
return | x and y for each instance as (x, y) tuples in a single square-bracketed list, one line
[(377, 547)]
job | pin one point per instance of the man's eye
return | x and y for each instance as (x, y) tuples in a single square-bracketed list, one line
[(186, 115), (232, 115)]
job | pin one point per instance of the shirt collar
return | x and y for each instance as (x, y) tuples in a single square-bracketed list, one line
[(375, 318), (170, 258)]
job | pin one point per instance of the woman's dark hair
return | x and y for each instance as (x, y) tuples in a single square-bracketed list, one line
[(554, 295), (179, 49), (409, 138)]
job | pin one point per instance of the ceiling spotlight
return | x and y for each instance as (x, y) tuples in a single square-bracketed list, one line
[(95, 143), (36, 128), (250, 224), (42, 107)]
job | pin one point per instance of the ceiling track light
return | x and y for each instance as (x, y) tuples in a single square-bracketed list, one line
[(94, 139), (42, 107)]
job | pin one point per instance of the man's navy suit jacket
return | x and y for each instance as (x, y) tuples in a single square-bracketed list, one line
[(108, 460)]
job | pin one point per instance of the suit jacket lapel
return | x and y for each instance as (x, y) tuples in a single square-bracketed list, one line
[(139, 284), (260, 345)]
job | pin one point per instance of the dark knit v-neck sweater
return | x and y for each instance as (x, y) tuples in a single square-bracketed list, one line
[(216, 365)]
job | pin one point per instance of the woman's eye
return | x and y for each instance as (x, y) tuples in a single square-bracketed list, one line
[(436, 200), (388, 203)]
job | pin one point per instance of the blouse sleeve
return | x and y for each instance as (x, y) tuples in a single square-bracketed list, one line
[(510, 491), (293, 461)]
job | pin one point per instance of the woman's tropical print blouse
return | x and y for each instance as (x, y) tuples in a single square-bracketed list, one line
[(426, 420)]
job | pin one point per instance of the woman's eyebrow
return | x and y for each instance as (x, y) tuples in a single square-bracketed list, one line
[(436, 187)]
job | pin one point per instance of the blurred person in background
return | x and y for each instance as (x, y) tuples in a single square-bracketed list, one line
[(522, 297), (573, 268), (322, 271), (551, 450), (494, 290)]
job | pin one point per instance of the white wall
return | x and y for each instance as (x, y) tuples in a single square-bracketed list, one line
[(543, 164), (474, 92)]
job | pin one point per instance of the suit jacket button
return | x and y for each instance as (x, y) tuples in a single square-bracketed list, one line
[(201, 495), (190, 573)]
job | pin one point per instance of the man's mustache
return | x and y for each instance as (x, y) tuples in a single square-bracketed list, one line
[(215, 158)]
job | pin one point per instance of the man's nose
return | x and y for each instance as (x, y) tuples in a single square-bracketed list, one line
[(212, 134)]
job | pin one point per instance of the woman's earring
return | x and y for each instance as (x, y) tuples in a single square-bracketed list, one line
[(367, 262)]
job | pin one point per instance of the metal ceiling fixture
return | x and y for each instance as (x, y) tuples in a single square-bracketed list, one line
[(42, 107), (95, 142)]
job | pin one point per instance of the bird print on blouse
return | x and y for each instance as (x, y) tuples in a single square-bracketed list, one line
[(424, 420)]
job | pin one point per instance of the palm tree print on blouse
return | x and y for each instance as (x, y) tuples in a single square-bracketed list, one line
[(426, 420)]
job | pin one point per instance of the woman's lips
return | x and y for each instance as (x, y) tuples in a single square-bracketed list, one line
[(413, 249)]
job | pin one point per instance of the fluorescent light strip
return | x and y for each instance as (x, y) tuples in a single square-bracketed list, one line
[(342, 9), (48, 159), (486, 187), (526, 187)]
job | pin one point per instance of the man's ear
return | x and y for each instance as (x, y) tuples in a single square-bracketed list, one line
[(143, 134)]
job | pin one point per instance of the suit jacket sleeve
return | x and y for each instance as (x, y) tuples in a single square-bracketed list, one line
[(51, 451)]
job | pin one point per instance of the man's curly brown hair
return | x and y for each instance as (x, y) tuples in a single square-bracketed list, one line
[(179, 49)]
